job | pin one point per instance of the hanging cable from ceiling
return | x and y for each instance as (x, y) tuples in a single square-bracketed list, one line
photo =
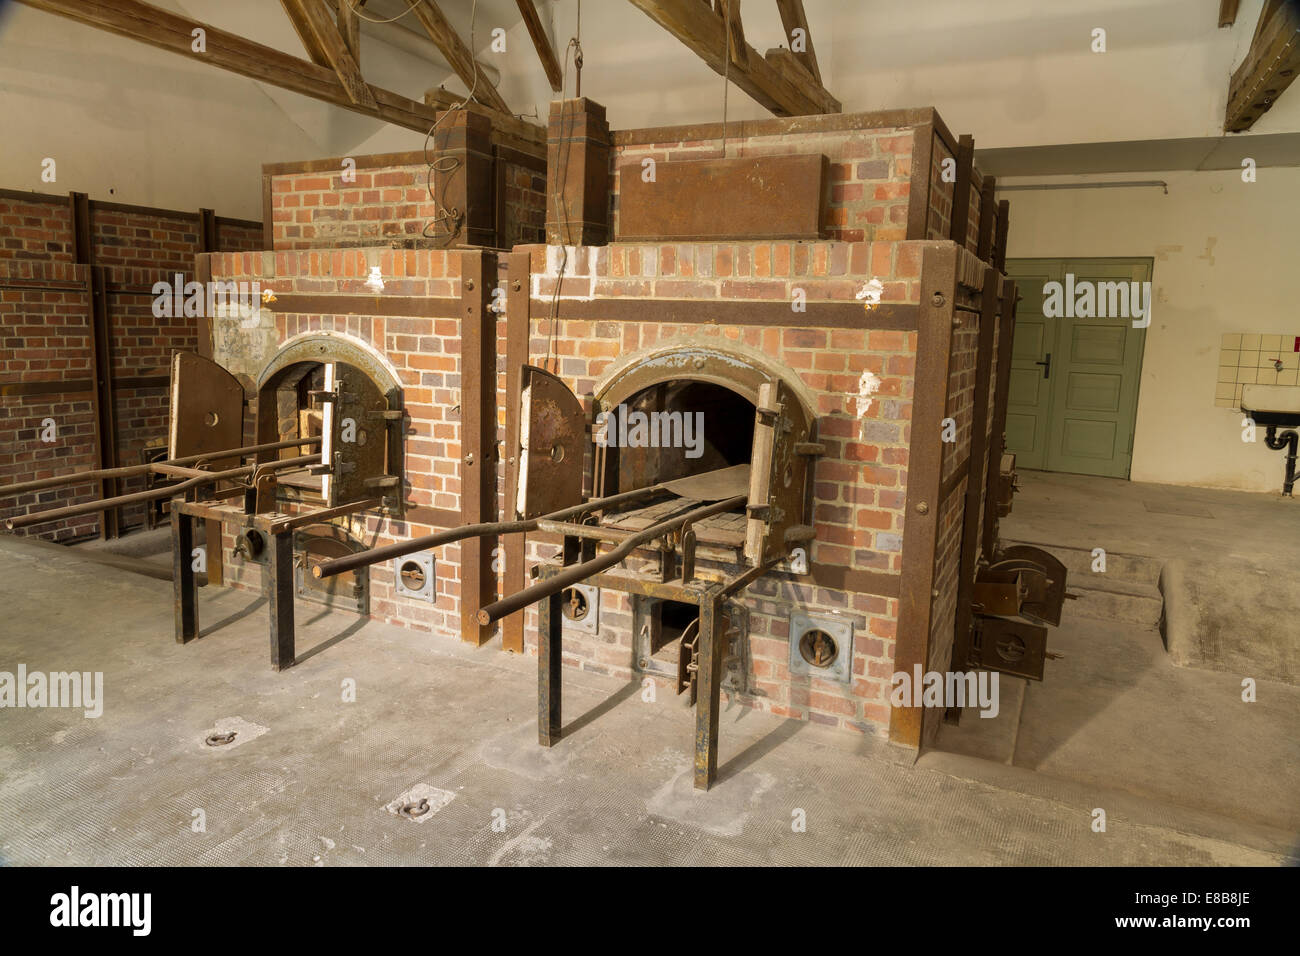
[(573, 47), (444, 166)]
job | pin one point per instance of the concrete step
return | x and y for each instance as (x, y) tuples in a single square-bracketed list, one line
[(1135, 604), (1127, 568)]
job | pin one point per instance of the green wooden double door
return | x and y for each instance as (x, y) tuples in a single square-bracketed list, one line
[(1076, 361)]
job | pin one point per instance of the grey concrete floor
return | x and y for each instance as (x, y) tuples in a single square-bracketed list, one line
[(1120, 711), (1232, 560), (309, 778)]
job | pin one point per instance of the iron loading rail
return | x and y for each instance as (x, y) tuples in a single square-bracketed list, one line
[(400, 549), (197, 478), (577, 573)]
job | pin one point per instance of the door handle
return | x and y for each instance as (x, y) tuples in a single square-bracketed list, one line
[(1047, 366)]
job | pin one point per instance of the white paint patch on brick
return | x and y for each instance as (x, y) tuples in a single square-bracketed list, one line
[(868, 385), (575, 287)]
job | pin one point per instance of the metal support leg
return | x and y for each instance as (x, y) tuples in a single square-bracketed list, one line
[(712, 649), (183, 580), (550, 624), (282, 588)]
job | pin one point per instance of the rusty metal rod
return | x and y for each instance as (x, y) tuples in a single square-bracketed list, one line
[(90, 507), (575, 574), (131, 471), (361, 559)]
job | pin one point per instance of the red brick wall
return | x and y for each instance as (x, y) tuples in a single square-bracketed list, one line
[(46, 338), (35, 229), (860, 484), (137, 247), (425, 354), (939, 221), (389, 201)]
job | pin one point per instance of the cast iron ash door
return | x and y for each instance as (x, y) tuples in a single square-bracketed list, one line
[(355, 429)]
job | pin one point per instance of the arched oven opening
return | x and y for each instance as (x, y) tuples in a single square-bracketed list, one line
[(679, 428)]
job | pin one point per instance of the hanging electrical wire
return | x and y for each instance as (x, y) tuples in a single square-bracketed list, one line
[(726, 80), (574, 46), (410, 5), (444, 166)]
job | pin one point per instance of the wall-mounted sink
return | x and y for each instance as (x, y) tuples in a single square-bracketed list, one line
[(1272, 399)]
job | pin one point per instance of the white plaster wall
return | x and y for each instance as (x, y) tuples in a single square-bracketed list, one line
[(1225, 256)]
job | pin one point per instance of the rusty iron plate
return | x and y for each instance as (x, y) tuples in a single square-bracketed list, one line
[(1011, 646), (552, 432), (1046, 593), (765, 197), (206, 409), (713, 485), (1000, 591)]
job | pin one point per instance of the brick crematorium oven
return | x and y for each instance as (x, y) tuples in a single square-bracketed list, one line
[(734, 426)]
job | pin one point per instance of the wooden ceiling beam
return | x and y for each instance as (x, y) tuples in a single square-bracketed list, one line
[(705, 33), (459, 56), (350, 25), (327, 34), (545, 52), (1269, 67), (794, 18), (137, 20), (506, 128), (316, 52)]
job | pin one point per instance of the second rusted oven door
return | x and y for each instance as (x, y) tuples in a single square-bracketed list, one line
[(206, 409), (552, 433), (355, 432)]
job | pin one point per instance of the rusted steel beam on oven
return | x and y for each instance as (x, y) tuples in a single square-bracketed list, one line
[(438, 307), (888, 316), (185, 597), (550, 663), (207, 230), (988, 213), (1000, 242), (478, 411), (977, 487), (281, 587), (213, 539), (961, 189), (577, 173), (997, 437), (925, 464), (918, 195), (518, 322), (713, 648), (97, 321)]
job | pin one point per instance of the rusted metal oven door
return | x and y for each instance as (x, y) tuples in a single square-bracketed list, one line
[(206, 407), (778, 473), (355, 430), (552, 433)]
